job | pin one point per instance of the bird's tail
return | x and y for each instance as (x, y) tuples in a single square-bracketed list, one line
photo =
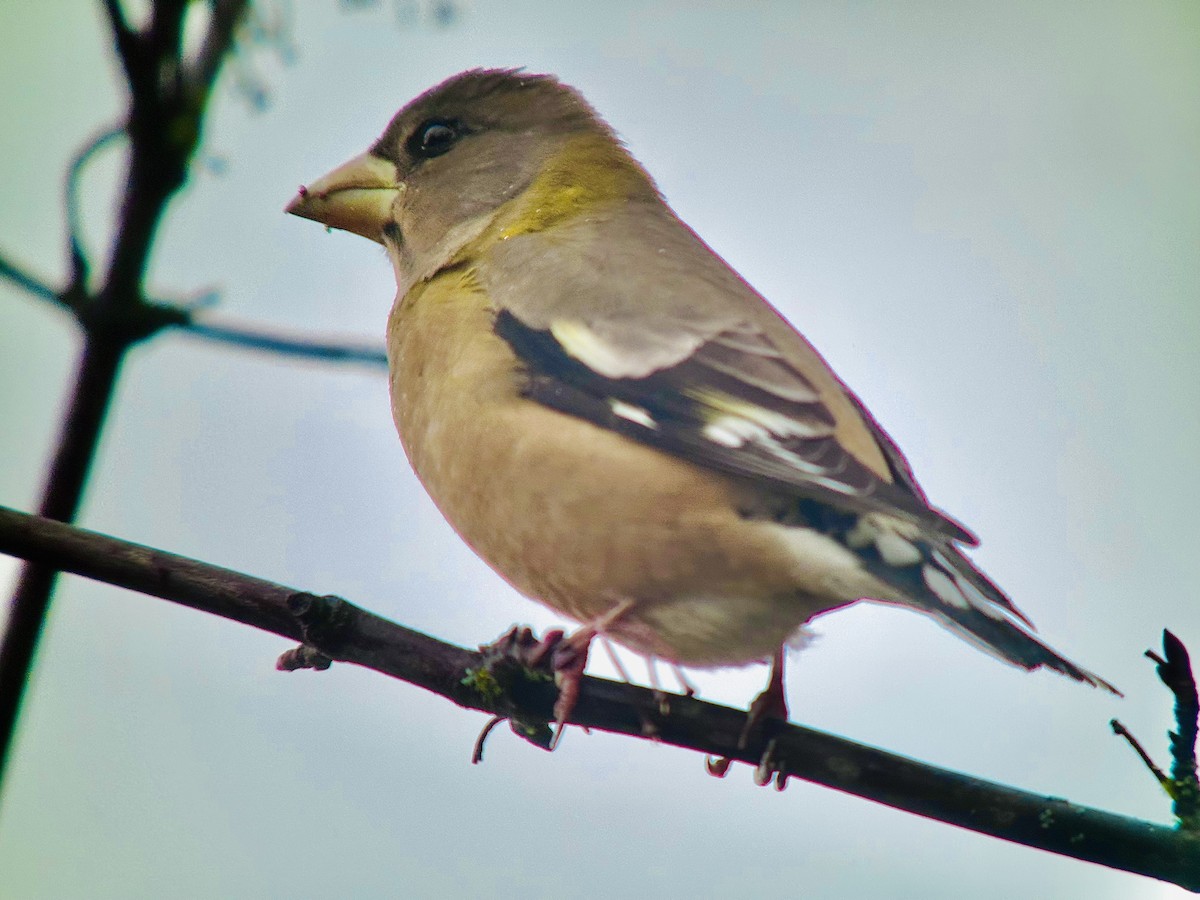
[(961, 598), (932, 575)]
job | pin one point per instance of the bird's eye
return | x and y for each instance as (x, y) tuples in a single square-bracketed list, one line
[(434, 137)]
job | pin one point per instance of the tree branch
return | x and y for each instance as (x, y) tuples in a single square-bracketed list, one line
[(336, 629), (95, 383), (166, 115), (255, 337), (30, 283), (124, 37), (225, 16), (1175, 671), (78, 256)]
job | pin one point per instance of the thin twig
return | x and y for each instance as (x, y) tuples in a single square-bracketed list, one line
[(79, 260), (346, 633), (124, 37), (1159, 775), (225, 17), (22, 279), (257, 338)]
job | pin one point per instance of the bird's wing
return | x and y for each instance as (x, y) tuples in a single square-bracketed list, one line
[(679, 353)]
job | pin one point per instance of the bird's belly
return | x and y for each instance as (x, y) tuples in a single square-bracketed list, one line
[(583, 520)]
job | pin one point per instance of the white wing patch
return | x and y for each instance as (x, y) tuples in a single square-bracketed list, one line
[(892, 538), (631, 413), (732, 432), (942, 577), (899, 544), (777, 423), (896, 551), (973, 597), (737, 433), (584, 345), (622, 359), (943, 587), (739, 425)]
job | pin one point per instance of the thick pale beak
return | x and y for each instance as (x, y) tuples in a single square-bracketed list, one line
[(357, 196)]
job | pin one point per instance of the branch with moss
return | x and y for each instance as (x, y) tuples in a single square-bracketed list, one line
[(332, 629)]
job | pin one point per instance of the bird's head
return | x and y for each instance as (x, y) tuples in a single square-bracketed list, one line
[(456, 156)]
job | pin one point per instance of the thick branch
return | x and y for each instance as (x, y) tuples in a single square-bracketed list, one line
[(95, 382), (347, 633)]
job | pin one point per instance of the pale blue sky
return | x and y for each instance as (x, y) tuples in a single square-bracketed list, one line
[(986, 216)]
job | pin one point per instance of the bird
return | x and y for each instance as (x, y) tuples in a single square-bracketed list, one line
[(614, 419)]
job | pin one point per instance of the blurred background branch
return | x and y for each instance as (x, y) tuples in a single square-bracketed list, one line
[(169, 93)]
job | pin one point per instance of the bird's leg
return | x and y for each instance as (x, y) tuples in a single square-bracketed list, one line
[(771, 704), (660, 697), (614, 659), (569, 658), (685, 686), (649, 728)]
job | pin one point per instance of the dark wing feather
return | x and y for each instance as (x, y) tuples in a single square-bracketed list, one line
[(734, 405)]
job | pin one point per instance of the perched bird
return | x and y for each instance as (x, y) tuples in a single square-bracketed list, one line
[(612, 418)]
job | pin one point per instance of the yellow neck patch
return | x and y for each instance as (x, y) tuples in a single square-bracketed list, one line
[(588, 172)]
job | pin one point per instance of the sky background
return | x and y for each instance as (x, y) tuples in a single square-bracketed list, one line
[(986, 216)]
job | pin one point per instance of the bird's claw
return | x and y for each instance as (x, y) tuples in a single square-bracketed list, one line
[(525, 648), (567, 662), (766, 771), (767, 712), (717, 766), (563, 657)]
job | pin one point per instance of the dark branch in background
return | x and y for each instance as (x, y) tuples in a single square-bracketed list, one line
[(225, 17), (168, 96), (78, 255), (333, 629), (256, 337), (30, 283), (194, 319)]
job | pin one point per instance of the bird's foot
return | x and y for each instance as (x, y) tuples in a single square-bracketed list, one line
[(525, 648), (563, 657), (769, 705), (766, 712), (686, 687), (567, 662)]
